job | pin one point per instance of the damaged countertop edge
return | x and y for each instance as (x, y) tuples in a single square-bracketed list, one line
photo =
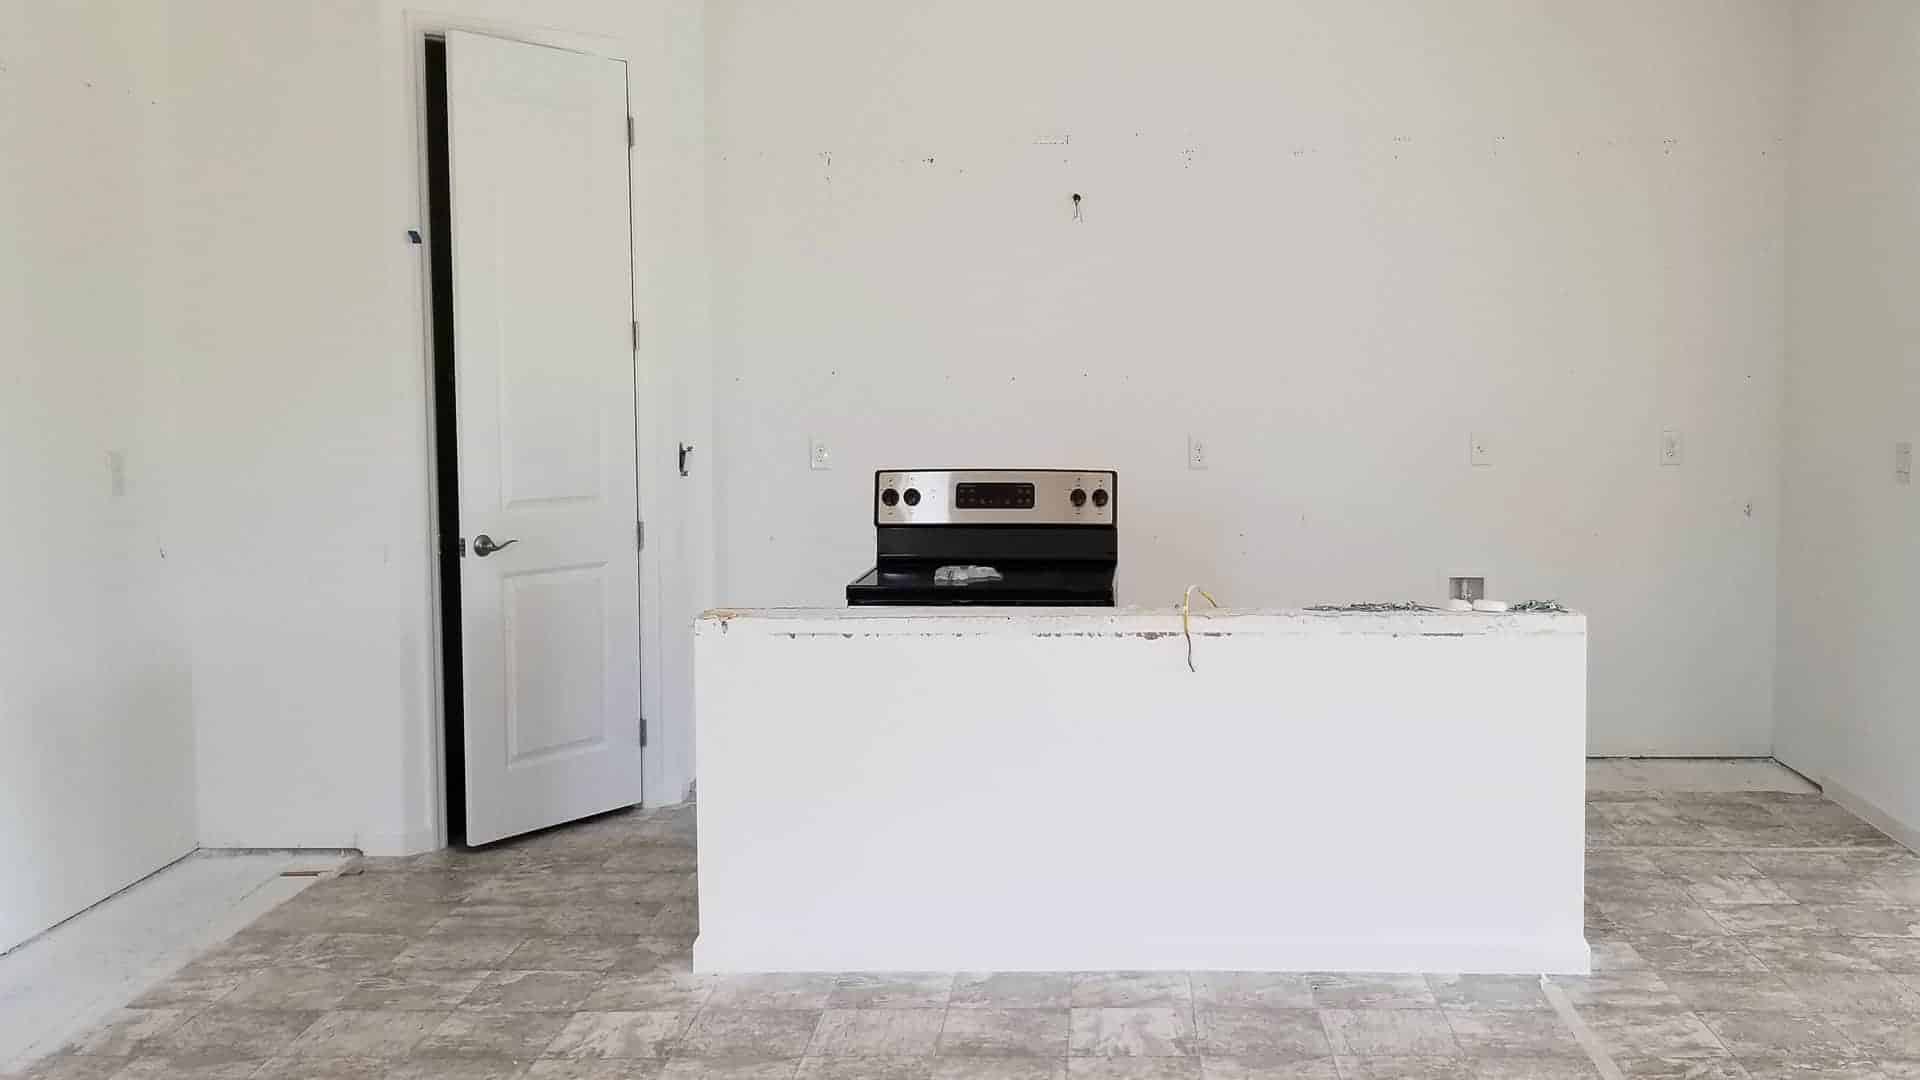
[(1144, 623)]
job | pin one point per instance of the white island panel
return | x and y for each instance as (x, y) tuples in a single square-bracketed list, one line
[(1003, 789)]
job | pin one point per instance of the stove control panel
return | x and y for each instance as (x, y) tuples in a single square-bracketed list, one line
[(994, 497)]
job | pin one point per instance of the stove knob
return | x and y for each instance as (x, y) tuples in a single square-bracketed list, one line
[(913, 496), (1079, 497), (1100, 497), (890, 497)]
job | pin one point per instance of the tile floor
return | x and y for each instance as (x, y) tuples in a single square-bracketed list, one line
[(1737, 933)]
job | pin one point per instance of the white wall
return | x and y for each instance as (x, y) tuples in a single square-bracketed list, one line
[(96, 778), (297, 405), (1848, 689), (1333, 238)]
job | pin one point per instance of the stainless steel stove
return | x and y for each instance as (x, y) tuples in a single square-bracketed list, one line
[(1034, 537)]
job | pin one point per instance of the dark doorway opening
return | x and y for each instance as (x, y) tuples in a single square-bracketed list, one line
[(446, 443)]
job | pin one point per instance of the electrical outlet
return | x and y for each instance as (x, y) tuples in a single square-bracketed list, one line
[(819, 455), (1479, 453), (1671, 448), (1196, 452), (1903, 463), (1466, 588)]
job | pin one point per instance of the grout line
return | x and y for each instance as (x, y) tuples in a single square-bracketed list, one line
[(1582, 1034)]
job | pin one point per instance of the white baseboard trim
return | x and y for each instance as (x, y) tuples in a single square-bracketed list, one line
[(1906, 834), (759, 952), (415, 841)]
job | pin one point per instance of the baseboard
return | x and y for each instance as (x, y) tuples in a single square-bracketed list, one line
[(1902, 832), (415, 841), (932, 951)]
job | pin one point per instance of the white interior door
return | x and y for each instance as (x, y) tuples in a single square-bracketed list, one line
[(537, 140)]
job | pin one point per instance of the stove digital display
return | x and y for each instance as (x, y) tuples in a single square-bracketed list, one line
[(979, 496)]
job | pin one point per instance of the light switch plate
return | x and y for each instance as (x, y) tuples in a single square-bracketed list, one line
[(1196, 452), (1672, 450), (1903, 462), (117, 472), (819, 454), (1479, 450)]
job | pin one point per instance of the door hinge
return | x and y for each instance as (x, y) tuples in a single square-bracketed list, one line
[(640, 536), (630, 142), (636, 335), (643, 733)]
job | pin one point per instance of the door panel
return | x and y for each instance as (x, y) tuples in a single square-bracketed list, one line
[(542, 301)]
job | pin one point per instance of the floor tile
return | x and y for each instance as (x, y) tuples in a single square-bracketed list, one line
[(658, 989), (354, 952), (1799, 1038), (1809, 952), (1113, 989), (230, 1034), (1618, 989), (1256, 1068), (534, 991), (1899, 955), (1012, 990), (1537, 1033), (420, 989), (870, 1068), (872, 1032), (1652, 1033), (773, 992), (1389, 1032), (292, 988), (124, 1033), (997, 1068), (1741, 992), (577, 952), (374, 1033), (1694, 952), (1261, 1033), (1252, 990), (1720, 1066), (651, 1034), (464, 951), (191, 987), (469, 1033), (1404, 1067), (1854, 992), (164, 1068), (893, 990), (994, 1031), (1150, 1031), (750, 1033), (1134, 1068), (1895, 1035), (458, 1069), (1334, 990), (1488, 992), (738, 1068)]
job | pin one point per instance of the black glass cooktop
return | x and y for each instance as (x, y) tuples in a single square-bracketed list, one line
[(1051, 586)]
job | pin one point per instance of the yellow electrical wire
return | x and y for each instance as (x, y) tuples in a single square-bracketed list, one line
[(1186, 613)]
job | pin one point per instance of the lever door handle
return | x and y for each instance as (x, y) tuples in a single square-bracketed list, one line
[(484, 546)]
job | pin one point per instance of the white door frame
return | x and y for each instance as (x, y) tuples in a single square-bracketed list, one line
[(650, 389)]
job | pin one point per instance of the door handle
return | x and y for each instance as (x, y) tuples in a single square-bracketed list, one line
[(484, 546)]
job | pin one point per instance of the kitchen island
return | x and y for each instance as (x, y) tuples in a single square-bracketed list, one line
[(897, 789)]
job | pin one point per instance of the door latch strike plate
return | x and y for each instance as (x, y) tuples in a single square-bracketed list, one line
[(463, 547)]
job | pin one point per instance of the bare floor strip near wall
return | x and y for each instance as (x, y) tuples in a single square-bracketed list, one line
[(76, 975), (1755, 932)]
